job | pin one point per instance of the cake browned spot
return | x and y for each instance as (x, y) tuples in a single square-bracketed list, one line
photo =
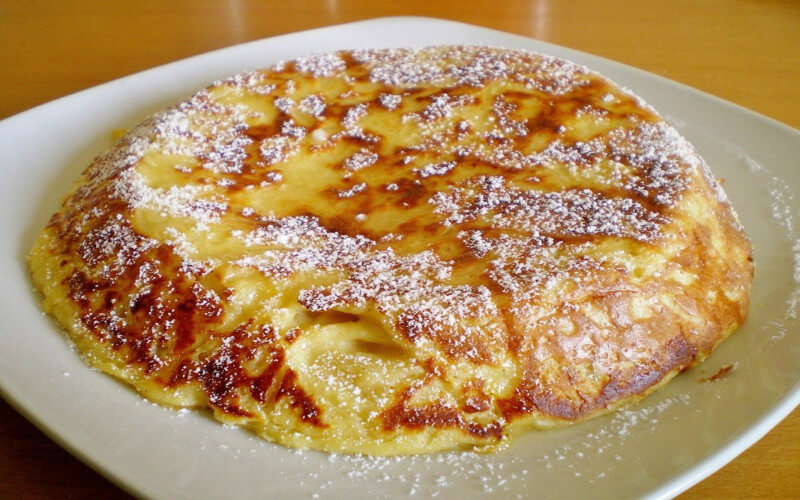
[(398, 251)]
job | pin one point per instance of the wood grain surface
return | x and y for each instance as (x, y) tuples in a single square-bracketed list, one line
[(747, 52)]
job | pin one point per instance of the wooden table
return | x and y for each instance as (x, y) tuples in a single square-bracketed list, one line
[(745, 52)]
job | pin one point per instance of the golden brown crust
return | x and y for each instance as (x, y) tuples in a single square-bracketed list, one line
[(398, 251)]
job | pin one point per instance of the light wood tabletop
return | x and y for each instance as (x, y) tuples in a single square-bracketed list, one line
[(747, 52)]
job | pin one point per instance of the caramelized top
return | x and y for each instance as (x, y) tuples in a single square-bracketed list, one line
[(468, 207)]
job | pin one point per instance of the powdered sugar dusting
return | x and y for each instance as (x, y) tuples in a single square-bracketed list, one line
[(409, 68), (114, 240), (445, 234), (592, 455), (352, 191), (404, 288), (284, 104), (435, 169), (313, 105), (390, 101), (278, 148), (567, 213), (175, 201), (326, 64), (252, 81), (203, 128), (782, 201), (794, 298), (299, 243), (361, 159)]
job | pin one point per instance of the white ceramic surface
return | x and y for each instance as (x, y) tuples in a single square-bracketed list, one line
[(655, 449)]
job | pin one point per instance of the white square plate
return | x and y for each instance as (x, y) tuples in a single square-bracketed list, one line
[(657, 448)]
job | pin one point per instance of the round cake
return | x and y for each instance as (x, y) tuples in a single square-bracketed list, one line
[(398, 251)]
